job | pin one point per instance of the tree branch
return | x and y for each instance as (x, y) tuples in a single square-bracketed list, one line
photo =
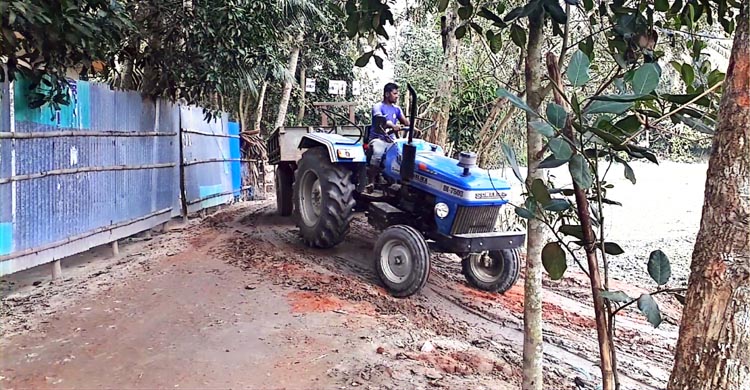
[(676, 110), (657, 292)]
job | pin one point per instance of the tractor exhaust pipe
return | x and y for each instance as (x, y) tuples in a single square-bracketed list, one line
[(409, 150)]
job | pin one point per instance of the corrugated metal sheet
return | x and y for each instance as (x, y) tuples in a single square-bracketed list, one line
[(58, 215), (52, 208), (205, 180)]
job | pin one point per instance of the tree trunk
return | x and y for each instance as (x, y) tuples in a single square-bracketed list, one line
[(532, 307), (286, 93), (259, 107), (301, 112), (445, 83), (244, 110), (713, 350)]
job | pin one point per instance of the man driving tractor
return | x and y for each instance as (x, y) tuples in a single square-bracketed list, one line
[(387, 119)]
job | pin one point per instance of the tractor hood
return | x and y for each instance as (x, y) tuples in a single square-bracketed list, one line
[(445, 169), (439, 174)]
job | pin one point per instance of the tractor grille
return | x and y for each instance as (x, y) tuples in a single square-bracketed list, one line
[(475, 219)]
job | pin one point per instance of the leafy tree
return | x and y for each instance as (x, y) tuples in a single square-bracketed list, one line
[(43, 41)]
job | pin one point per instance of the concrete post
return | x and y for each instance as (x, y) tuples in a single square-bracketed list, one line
[(56, 270), (115, 248)]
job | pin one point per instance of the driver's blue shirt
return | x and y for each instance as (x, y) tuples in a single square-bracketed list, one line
[(391, 113)]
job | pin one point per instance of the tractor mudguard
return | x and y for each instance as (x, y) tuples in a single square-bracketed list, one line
[(340, 149)]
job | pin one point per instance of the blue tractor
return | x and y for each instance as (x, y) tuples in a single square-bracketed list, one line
[(422, 201)]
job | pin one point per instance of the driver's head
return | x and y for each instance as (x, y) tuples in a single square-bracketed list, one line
[(390, 93)]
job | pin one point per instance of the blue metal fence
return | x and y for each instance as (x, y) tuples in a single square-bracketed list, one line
[(103, 168)]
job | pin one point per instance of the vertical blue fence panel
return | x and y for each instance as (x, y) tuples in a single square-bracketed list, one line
[(206, 153), (234, 153), (6, 221)]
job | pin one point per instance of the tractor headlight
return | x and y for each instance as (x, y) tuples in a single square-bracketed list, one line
[(345, 153), (442, 210)]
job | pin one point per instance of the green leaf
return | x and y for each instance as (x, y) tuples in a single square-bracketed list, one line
[(553, 260), (518, 35), (687, 73), (579, 170), (378, 61), (477, 28), (572, 230), (646, 78), (515, 100), (616, 296), (575, 104), (628, 125), (588, 5), (611, 248), (513, 14), (560, 148), (650, 309), (659, 268), (461, 32), (442, 5), (629, 174), (607, 107), (465, 12), (555, 11), (489, 15), (624, 98), (540, 191), (557, 205), (715, 76), (587, 47), (496, 43), (363, 59), (511, 156), (683, 99), (551, 162), (661, 5), (578, 69), (556, 115), (543, 128), (352, 25), (523, 213)]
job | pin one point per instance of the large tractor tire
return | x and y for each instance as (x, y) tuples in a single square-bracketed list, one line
[(284, 177), (493, 271), (402, 260), (323, 199)]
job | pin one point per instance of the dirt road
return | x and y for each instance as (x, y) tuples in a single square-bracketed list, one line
[(235, 300)]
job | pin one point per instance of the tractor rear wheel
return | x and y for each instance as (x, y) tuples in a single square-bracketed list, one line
[(284, 177), (323, 199), (402, 260), (493, 271)]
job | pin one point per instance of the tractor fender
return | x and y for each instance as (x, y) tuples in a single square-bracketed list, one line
[(340, 149)]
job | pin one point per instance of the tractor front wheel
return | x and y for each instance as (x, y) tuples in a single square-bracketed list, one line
[(402, 260), (323, 199), (493, 271)]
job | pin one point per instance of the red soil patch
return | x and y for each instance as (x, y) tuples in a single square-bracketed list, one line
[(513, 301), (306, 302)]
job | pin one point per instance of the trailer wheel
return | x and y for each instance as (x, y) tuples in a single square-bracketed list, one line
[(284, 177), (323, 199), (493, 271), (402, 260)]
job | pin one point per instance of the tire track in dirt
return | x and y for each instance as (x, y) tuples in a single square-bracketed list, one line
[(343, 278)]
